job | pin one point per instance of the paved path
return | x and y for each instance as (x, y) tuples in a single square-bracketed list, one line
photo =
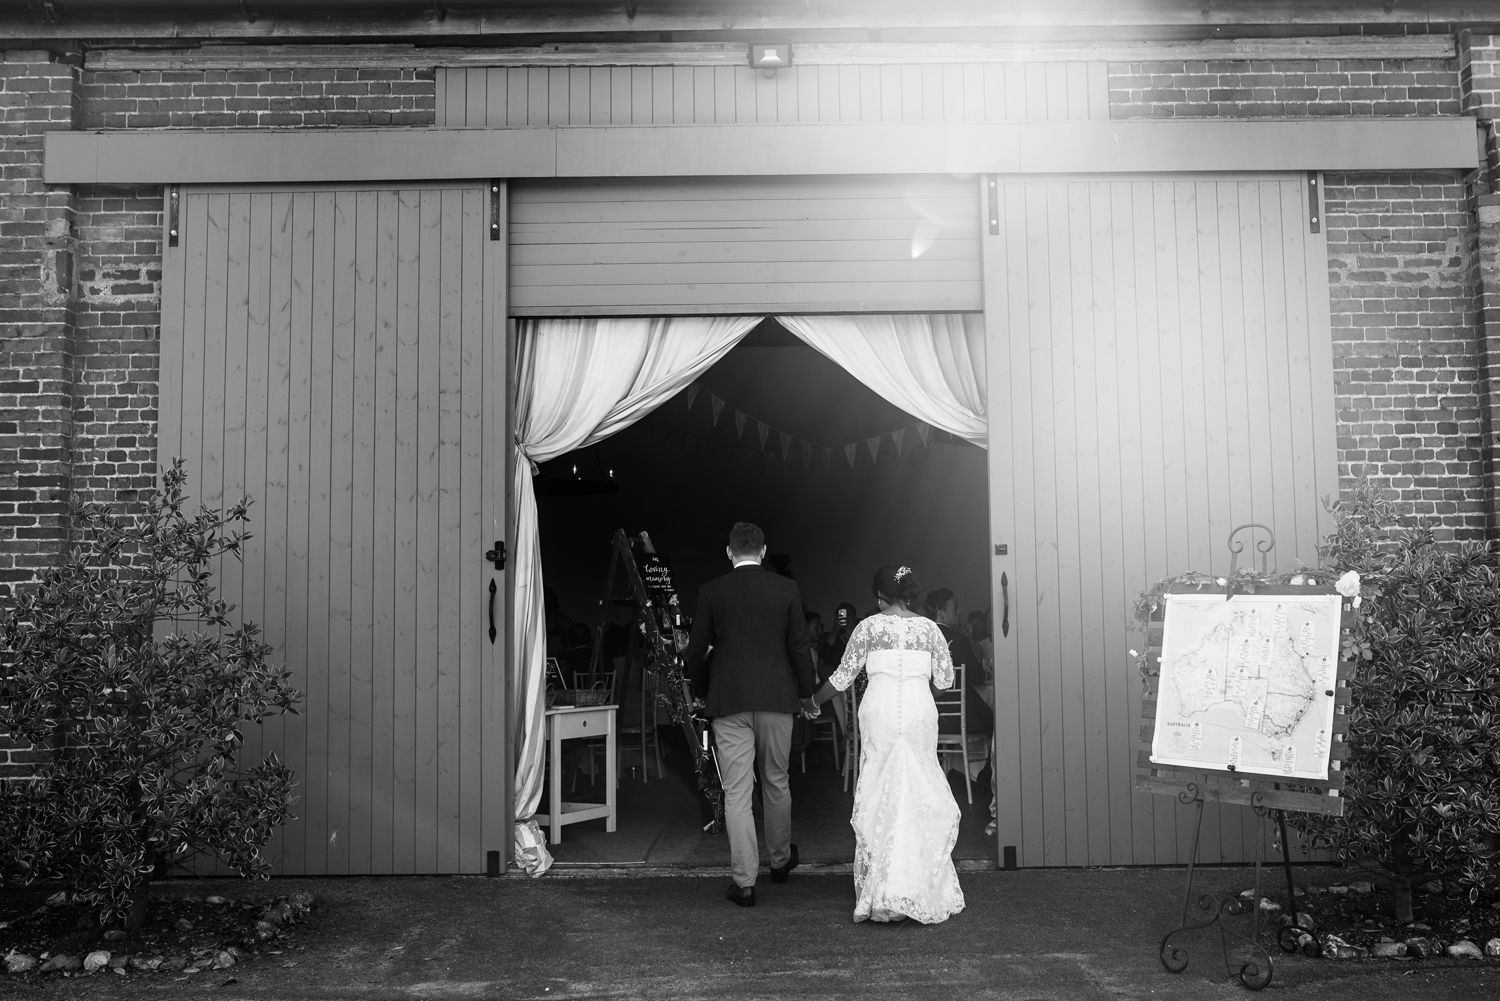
[(1059, 935)]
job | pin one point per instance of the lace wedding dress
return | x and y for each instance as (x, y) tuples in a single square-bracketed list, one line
[(905, 817)]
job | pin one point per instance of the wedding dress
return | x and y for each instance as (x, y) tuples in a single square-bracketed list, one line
[(905, 817)]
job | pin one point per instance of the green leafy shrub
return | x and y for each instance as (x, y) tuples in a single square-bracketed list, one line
[(1422, 775), (125, 669)]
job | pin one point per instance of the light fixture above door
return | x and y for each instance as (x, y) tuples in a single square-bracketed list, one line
[(768, 57)]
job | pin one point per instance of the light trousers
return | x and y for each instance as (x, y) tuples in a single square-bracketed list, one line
[(742, 740)]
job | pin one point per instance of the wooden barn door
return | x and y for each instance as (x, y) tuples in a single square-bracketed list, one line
[(1160, 372), (336, 354)]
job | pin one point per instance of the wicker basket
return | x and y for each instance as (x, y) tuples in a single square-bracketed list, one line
[(590, 697)]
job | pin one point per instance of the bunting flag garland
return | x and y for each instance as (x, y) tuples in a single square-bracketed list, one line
[(786, 441)]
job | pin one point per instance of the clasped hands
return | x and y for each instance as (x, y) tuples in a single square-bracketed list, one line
[(810, 709)]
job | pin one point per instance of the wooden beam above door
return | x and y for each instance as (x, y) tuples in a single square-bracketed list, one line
[(1041, 147)]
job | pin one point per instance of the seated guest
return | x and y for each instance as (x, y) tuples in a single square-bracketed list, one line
[(943, 607)]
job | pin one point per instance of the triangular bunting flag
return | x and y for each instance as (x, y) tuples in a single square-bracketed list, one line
[(765, 431), (874, 446), (692, 394), (807, 456), (717, 405), (924, 432), (739, 423), (786, 445), (850, 451), (898, 436)]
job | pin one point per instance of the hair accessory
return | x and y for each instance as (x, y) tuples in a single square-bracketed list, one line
[(902, 571)]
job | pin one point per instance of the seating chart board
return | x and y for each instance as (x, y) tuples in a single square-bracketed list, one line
[(1247, 683)]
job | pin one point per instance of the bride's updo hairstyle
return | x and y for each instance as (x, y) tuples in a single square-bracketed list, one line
[(896, 583)]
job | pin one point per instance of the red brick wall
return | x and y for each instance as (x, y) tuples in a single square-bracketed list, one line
[(116, 354), (258, 98), (1283, 88), (37, 95), (1406, 356)]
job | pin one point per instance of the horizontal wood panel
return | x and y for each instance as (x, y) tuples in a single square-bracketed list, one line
[(715, 244), (707, 245), (707, 300), (944, 148), (697, 54)]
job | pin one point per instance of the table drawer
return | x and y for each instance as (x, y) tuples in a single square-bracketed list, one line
[(589, 724)]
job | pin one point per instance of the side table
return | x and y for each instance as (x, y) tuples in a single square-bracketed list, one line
[(563, 723)]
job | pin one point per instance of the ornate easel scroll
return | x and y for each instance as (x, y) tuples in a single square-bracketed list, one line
[(1246, 690), (659, 624)]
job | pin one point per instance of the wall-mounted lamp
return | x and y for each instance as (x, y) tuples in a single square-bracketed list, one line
[(768, 57)]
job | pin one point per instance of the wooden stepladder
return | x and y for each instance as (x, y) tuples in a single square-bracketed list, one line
[(663, 631)]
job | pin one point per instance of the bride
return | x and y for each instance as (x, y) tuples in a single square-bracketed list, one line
[(905, 817)]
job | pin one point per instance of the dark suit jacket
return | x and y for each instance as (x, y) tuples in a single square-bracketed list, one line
[(752, 617)]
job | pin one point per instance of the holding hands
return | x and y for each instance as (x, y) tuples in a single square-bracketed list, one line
[(810, 708)]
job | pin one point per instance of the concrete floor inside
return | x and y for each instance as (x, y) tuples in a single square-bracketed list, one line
[(660, 817)]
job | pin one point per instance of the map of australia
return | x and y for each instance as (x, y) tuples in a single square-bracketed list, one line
[(1247, 683)]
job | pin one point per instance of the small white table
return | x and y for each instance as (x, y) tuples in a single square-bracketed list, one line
[(564, 722)]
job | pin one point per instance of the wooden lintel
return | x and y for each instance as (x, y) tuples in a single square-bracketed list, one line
[(459, 19), (1042, 148), (220, 56)]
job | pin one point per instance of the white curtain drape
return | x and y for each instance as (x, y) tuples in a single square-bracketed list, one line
[(931, 365), (579, 381)]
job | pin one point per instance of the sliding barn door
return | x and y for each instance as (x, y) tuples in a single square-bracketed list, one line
[(1160, 372), (336, 355)]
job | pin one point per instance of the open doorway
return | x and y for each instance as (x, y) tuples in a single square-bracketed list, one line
[(840, 480)]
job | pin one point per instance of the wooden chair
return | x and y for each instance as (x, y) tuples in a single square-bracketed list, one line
[(952, 707), (851, 735), (827, 727), (641, 736)]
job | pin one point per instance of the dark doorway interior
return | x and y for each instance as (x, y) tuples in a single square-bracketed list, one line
[(684, 474)]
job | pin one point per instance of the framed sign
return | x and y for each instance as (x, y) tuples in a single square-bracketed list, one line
[(1247, 683), (1246, 695)]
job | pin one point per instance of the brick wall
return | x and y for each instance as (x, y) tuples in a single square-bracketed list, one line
[(1406, 358), (1283, 88), (37, 94), (117, 342), (258, 98)]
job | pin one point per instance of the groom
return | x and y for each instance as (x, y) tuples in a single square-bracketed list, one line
[(758, 677)]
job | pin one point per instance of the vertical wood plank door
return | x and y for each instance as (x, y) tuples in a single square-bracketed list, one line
[(1160, 372), (336, 355)]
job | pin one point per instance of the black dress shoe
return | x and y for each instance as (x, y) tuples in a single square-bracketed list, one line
[(780, 873), (742, 895)]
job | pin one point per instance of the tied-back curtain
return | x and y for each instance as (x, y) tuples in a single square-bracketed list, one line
[(931, 365), (578, 381)]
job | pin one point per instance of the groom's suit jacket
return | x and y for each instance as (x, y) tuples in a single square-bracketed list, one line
[(752, 618)]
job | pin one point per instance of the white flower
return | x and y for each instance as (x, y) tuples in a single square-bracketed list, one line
[(1222, 582), (1348, 585), (1134, 654)]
